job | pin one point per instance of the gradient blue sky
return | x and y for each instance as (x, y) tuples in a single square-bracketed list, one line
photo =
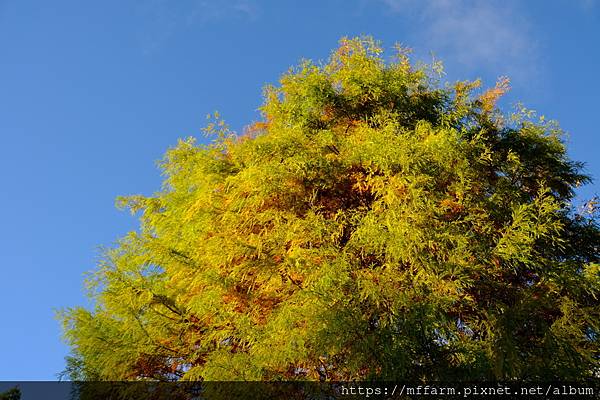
[(93, 93)]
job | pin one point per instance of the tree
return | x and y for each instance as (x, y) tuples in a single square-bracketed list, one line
[(12, 394), (375, 224)]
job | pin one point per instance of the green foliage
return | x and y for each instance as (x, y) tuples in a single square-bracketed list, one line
[(375, 224)]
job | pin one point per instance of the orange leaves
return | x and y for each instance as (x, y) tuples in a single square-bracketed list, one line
[(147, 366), (258, 127), (238, 300), (489, 98), (253, 130), (264, 304), (496, 261), (452, 205), (452, 208), (329, 113)]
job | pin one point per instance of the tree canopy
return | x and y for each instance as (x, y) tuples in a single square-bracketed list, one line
[(375, 224)]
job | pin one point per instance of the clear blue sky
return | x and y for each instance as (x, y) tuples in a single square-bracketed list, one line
[(93, 93)]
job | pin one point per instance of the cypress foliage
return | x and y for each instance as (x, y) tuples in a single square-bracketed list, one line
[(375, 224)]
